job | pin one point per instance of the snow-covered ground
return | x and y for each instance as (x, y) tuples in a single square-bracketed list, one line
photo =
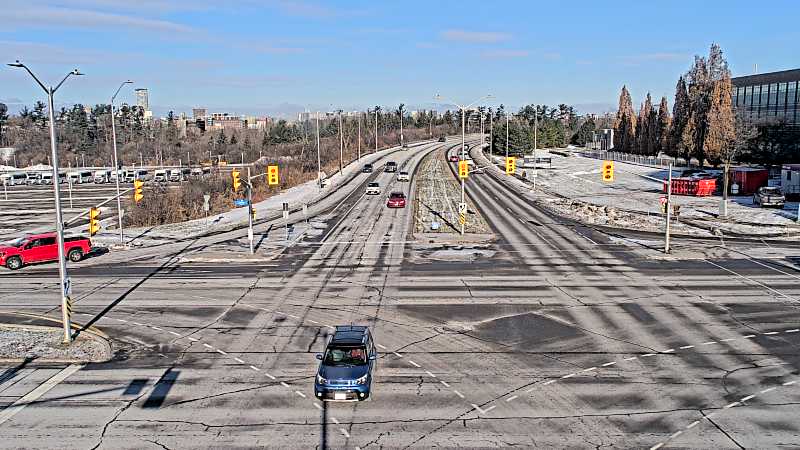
[(573, 187)]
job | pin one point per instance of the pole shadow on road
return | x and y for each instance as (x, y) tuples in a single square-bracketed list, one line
[(161, 389), (323, 424)]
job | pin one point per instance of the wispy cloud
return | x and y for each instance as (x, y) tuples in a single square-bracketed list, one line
[(54, 17), (305, 8), (481, 37), (505, 54), (655, 57)]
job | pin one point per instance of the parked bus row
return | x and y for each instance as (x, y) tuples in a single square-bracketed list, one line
[(103, 176)]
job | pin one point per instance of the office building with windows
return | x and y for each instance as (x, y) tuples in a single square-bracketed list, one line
[(768, 98)]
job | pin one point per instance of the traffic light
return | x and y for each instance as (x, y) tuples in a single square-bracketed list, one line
[(237, 183), (608, 171), (138, 185), (272, 175), (511, 165), (463, 169), (94, 221)]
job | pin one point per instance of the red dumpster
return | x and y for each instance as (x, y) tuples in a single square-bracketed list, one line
[(749, 179)]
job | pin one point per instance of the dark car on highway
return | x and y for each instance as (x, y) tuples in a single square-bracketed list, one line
[(367, 168), (453, 158), (442, 139), (346, 367)]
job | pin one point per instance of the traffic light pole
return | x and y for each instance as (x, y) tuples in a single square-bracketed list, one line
[(669, 209), (463, 158), (250, 211)]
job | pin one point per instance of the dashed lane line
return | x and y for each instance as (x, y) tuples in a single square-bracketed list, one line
[(740, 402)]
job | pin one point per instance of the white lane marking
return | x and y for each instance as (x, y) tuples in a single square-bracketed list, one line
[(692, 425), (589, 369), (744, 399), (176, 334), (335, 420), (752, 281), (609, 364), (344, 432), (686, 346), (512, 398), (284, 384), (255, 368), (770, 333), (382, 347), (482, 411), (312, 321), (398, 354), (549, 382), (155, 328), (568, 376), (764, 391), (657, 446), (318, 406), (728, 340), (789, 383), (669, 350), (208, 346), (270, 376), (430, 373), (138, 324), (221, 352), (40, 390), (458, 393), (709, 343), (631, 358), (444, 383), (749, 336), (122, 320), (793, 330), (676, 434), (300, 394), (648, 354), (414, 364), (239, 360), (731, 405), (192, 339)]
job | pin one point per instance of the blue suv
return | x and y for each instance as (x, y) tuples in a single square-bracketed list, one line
[(345, 370)]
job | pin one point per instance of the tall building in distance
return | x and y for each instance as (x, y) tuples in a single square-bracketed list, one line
[(199, 113), (143, 101)]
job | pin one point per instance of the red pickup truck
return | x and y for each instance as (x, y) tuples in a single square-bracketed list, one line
[(38, 248)]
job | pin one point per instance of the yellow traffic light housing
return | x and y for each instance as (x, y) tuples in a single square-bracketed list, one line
[(511, 165), (138, 186), (463, 169), (94, 221), (608, 171), (272, 175), (237, 182)]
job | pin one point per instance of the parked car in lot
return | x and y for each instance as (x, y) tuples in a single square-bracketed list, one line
[(769, 196), (12, 179), (34, 178), (41, 248), (391, 166), (180, 174), (102, 176), (160, 176), (347, 365), (396, 200), (367, 168), (403, 176), (373, 189)]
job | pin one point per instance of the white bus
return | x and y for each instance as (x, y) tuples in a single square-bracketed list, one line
[(16, 178), (102, 176), (80, 176)]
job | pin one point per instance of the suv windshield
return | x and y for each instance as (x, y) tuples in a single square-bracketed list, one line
[(397, 195), (345, 356), (373, 185)]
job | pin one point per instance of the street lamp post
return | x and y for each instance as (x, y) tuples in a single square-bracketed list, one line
[(464, 110), (341, 145), (319, 158), (116, 162), (62, 266), (376, 130)]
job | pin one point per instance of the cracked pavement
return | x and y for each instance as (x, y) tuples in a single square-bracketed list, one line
[(563, 340)]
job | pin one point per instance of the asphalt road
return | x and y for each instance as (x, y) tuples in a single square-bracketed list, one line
[(552, 335)]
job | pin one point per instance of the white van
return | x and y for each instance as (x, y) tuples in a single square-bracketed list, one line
[(161, 176), (16, 178), (102, 176), (180, 174), (47, 178), (80, 176)]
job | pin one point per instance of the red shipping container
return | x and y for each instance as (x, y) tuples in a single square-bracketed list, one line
[(749, 179)]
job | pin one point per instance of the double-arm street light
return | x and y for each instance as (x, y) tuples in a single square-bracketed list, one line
[(116, 165), (464, 110), (62, 266)]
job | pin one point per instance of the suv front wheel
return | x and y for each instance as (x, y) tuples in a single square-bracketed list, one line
[(14, 262), (75, 255)]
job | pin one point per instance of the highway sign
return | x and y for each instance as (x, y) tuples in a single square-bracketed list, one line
[(67, 287), (241, 202)]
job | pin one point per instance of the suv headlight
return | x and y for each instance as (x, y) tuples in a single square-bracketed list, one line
[(321, 380), (362, 380)]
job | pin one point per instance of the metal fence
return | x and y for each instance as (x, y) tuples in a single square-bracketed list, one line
[(652, 161)]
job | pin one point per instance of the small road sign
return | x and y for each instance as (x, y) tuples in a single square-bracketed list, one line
[(241, 202), (462, 208), (206, 205), (462, 218)]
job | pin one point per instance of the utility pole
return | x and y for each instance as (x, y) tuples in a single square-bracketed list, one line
[(116, 162), (401, 126), (506, 136), (669, 208), (491, 136), (341, 145), (64, 283), (319, 158), (359, 136), (376, 130)]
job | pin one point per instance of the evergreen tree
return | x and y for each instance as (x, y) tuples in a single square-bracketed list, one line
[(3, 120), (625, 124), (172, 128), (699, 97), (643, 136), (661, 139), (680, 120), (234, 141), (721, 136), (221, 140)]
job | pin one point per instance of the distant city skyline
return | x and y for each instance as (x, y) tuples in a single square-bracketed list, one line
[(278, 58)]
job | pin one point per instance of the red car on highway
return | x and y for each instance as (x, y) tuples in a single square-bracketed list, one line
[(453, 158), (39, 248), (396, 200)]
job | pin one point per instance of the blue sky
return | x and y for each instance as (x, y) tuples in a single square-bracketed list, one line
[(277, 57)]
